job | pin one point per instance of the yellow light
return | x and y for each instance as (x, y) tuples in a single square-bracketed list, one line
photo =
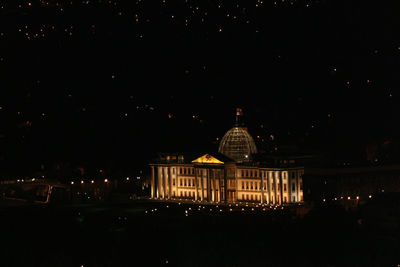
[(348, 198), (72, 182), (207, 159), (82, 182), (106, 180), (92, 181)]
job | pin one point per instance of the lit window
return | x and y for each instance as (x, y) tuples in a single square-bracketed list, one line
[(284, 187), (242, 185)]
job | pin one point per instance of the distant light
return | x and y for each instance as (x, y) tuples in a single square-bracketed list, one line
[(348, 198), (82, 182), (357, 197), (127, 178), (33, 179), (370, 196), (72, 182), (106, 180), (92, 181)]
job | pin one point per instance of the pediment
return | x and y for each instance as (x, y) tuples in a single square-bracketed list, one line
[(207, 159)]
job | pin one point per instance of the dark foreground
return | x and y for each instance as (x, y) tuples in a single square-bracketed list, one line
[(123, 234)]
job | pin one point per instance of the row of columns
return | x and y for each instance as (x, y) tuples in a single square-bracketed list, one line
[(161, 186)]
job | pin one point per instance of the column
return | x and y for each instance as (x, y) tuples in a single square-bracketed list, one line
[(202, 185), (158, 182), (268, 186), (169, 183), (297, 186), (214, 186), (262, 186), (274, 186), (281, 185), (225, 186), (195, 184), (152, 190), (208, 185), (162, 183)]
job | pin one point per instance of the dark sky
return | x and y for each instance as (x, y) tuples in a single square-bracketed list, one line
[(107, 83)]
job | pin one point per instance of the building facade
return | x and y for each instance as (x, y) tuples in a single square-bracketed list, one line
[(215, 178)]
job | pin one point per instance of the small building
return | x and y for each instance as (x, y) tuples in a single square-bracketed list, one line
[(230, 175)]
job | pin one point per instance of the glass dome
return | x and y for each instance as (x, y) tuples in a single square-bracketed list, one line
[(238, 144)]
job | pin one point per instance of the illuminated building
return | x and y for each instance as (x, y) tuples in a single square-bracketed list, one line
[(229, 176)]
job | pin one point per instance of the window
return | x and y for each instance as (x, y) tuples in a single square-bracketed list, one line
[(185, 194), (293, 187), (185, 182), (301, 185), (173, 171), (180, 193), (189, 182), (251, 197), (190, 194), (256, 185), (173, 182), (273, 187), (242, 173), (265, 188), (294, 199), (247, 185), (180, 170), (284, 187), (242, 185), (279, 188), (251, 185), (247, 173), (184, 171), (301, 198), (285, 200), (173, 193)]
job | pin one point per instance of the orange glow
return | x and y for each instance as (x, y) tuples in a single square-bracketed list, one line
[(207, 159)]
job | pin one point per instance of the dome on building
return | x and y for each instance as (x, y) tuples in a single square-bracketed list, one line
[(237, 143)]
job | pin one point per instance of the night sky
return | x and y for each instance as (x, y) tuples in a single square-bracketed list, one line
[(106, 84)]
